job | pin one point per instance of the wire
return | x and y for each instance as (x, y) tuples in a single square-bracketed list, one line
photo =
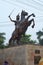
[(38, 2), (31, 5), (8, 2), (5, 22), (12, 22), (7, 25), (23, 4), (34, 1), (12, 3)]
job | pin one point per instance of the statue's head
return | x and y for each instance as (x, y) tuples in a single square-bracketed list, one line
[(17, 17), (24, 13)]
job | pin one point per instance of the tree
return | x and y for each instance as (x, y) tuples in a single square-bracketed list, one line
[(40, 37), (2, 39), (26, 39)]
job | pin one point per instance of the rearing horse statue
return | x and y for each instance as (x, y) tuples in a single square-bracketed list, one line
[(23, 25)]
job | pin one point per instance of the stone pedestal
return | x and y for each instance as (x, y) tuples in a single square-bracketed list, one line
[(20, 55)]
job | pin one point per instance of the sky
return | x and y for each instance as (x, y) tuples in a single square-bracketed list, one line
[(31, 6)]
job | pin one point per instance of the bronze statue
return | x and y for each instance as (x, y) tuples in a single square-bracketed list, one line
[(16, 27), (22, 27)]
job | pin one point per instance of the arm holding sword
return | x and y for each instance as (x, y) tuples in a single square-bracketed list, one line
[(11, 19), (17, 18)]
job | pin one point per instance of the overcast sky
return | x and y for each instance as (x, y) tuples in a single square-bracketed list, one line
[(31, 6)]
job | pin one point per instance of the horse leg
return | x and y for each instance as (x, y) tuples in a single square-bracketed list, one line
[(14, 39), (30, 16), (18, 40), (31, 22), (11, 42)]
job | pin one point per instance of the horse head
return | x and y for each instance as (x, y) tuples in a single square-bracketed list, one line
[(23, 14)]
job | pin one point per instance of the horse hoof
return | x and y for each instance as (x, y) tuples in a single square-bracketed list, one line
[(33, 15), (32, 26)]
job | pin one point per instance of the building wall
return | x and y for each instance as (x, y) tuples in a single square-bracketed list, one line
[(14, 55), (31, 54), (1, 57), (21, 55)]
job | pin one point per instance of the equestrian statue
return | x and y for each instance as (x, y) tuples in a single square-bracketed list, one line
[(21, 26)]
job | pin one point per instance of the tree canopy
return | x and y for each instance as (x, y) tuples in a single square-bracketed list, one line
[(40, 37), (2, 39), (26, 39)]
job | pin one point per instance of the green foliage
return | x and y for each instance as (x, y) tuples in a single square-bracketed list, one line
[(26, 39), (2, 39), (39, 35)]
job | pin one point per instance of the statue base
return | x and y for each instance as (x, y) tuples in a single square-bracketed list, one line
[(18, 55)]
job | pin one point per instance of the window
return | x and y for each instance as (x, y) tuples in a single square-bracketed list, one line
[(36, 59), (37, 51)]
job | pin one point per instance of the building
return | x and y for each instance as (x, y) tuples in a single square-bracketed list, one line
[(22, 55)]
